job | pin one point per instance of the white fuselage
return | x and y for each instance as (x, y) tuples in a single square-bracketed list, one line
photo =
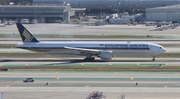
[(117, 48)]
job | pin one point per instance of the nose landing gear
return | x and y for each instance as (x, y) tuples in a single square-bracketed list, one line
[(154, 58)]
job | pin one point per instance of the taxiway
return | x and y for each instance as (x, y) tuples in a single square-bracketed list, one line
[(78, 85)]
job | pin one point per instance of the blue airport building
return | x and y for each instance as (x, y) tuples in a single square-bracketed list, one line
[(96, 4), (41, 13), (110, 6)]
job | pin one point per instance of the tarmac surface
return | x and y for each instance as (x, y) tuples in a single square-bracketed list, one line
[(76, 29), (68, 85), (171, 49), (12, 62), (82, 93), (68, 31), (78, 85)]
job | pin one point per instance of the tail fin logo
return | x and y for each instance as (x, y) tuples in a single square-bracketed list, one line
[(28, 37)]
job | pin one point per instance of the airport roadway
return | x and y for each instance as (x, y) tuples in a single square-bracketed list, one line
[(78, 85)]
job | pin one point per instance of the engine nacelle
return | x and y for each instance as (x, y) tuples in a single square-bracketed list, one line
[(106, 55)]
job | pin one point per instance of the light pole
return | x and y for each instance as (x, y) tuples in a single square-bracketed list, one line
[(1, 96), (100, 9), (118, 4), (35, 16)]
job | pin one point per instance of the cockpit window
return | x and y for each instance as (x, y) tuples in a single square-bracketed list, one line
[(160, 47)]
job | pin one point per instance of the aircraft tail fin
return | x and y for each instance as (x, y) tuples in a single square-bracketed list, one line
[(25, 34)]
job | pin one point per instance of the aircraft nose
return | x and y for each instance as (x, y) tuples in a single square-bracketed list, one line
[(163, 49)]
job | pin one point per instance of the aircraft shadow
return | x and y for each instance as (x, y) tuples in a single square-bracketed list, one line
[(33, 60), (82, 61)]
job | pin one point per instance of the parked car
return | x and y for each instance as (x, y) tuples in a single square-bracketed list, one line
[(29, 80)]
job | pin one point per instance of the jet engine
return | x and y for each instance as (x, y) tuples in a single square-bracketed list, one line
[(105, 55)]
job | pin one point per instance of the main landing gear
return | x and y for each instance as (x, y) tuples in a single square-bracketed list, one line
[(89, 58), (153, 58)]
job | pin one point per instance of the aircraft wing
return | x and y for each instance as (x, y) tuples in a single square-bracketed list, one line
[(84, 50)]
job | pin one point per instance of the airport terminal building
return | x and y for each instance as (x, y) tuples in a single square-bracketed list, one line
[(42, 14), (166, 13), (96, 4)]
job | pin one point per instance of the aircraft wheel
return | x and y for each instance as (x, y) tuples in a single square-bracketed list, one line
[(92, 59), (153, 58), (89, 59)]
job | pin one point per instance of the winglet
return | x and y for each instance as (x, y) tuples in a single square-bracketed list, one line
[(25, 34)]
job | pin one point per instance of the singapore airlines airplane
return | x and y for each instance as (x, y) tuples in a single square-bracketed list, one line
[(103, 50)]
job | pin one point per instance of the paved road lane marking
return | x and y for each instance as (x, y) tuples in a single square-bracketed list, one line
[(46, 96), (166, 64), (58, 78), (8, 85), (132, 78), (82, 64), (116, 73), (87, 86)]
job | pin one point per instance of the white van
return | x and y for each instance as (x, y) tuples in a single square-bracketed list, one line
[(25, 21)]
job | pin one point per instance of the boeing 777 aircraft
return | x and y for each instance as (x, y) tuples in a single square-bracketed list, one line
[(103, 50)]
